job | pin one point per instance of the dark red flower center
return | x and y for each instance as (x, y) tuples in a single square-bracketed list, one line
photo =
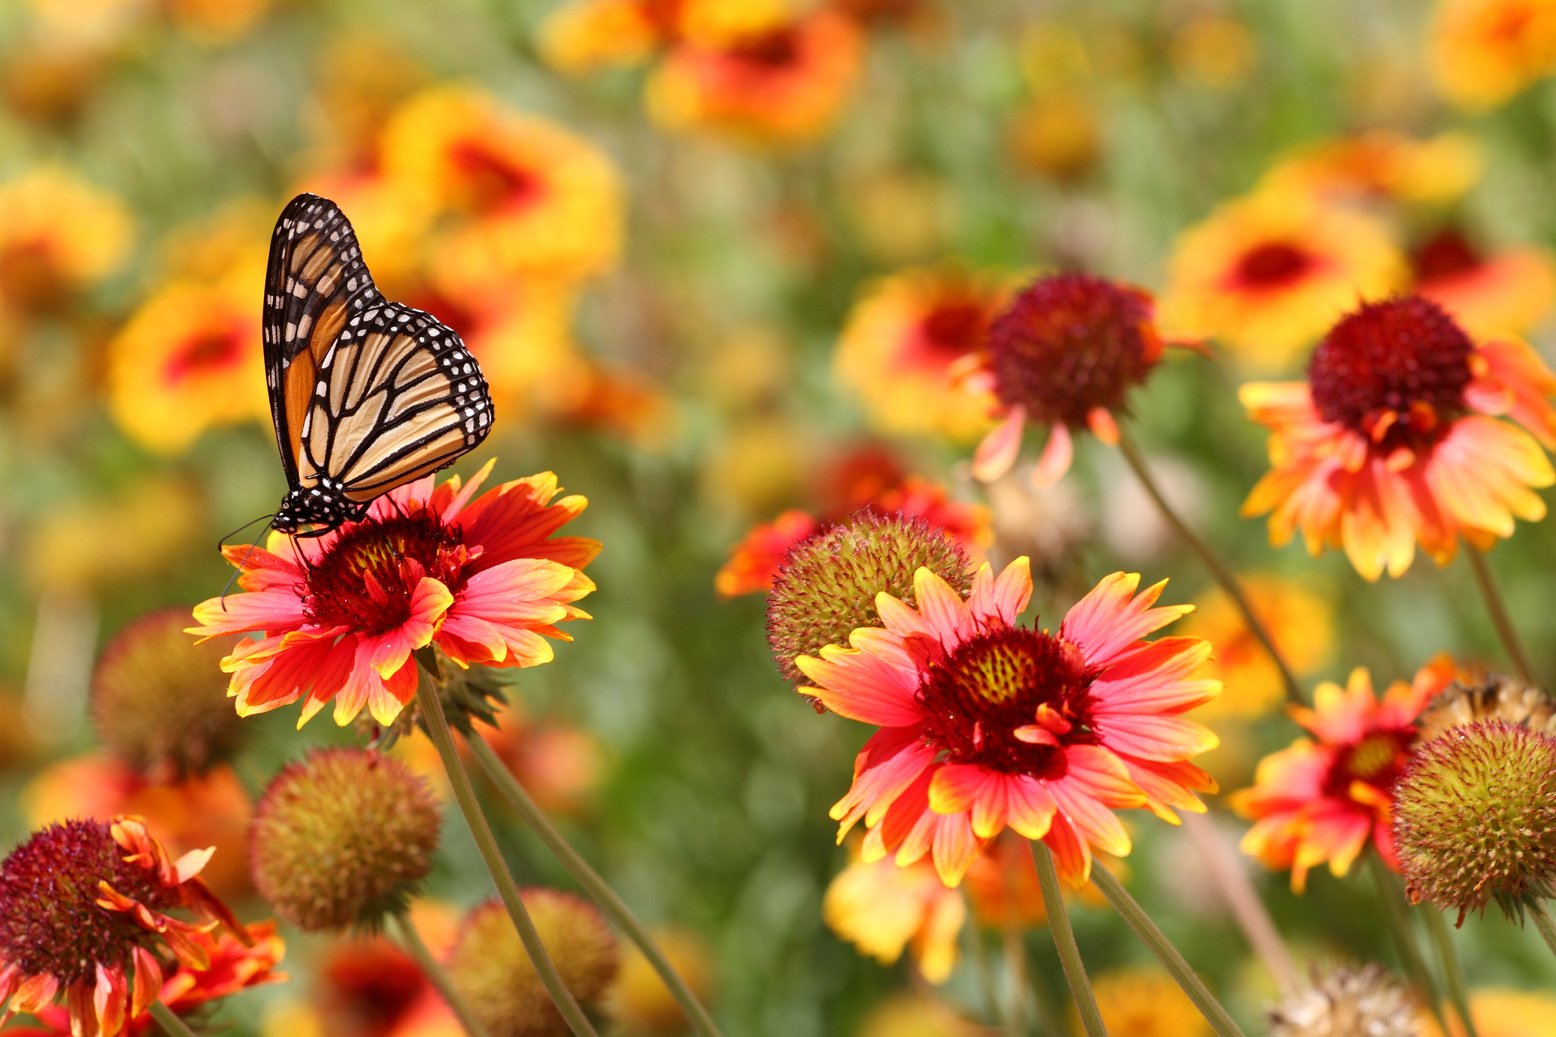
[(1009, 699), (1448, 253), (207, 350), (1272, 264), (50, 923), (1071, 343), (1394, 371), (493, 180), (952, 329), (773, 50), (368, 987), (367, 577), (1377, 760)]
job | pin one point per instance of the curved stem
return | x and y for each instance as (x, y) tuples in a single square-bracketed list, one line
[(437, 729), (437, 976), (1410, 959), (1157, 943), (1453, 975), (592, 884), (1543, 924), (171, 1024), (1218, 569), (1236, 889), (1064, 942), (1499, 617)]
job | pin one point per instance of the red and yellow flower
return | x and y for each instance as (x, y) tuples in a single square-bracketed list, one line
[(779, 85), (985, 724), (1398, 437), (185, 361), (582, 36), (60, 234), (1380, 164), (904, 342), (883, 910), (1485, 51), (84, 920), (1321, 800), (1503, 293), (482, 578), (1266, 274)]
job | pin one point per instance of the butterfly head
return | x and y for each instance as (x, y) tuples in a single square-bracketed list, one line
[(319, 506)]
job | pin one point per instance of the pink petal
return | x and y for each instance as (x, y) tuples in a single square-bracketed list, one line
[(997, 453), (1055, 460)]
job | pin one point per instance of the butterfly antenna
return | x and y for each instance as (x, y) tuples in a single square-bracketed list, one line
[(221, 545)]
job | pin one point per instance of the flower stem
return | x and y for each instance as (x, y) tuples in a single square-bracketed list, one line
[(1498, 611), (1218, 569), (1404, 941), (437, 976), (592, 884), (443, 739), (1453, 975), (1064, 942), (1543, 924), (1233, 885), (1157, 943), (171, 1024)]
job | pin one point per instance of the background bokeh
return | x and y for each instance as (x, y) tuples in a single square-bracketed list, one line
[(659, 320)]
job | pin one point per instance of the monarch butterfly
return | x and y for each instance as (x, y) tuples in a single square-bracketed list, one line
[(365, 394)]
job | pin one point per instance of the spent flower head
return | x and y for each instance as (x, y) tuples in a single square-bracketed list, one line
[(1340, 1002), (343, 838), (1475, 818), (1492, 697)]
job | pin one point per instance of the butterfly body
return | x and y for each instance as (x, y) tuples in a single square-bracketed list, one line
[(365, 394)]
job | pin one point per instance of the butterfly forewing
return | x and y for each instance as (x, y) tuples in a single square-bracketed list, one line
[(365, 394)]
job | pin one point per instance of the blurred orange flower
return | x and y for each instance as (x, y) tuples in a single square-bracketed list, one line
[(1380, 164), (58, 234), (1485, 51), (1398, 437), (1267, 273), (188, 359), (1503, 293), (1299, 620), (782, 85), (1501, 1012), (904, 341), (582, 36), (525, 196), (1146, 1003), (1321, 799)]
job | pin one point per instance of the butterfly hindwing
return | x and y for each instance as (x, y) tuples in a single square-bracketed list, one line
[(365, 394), (397, 396)]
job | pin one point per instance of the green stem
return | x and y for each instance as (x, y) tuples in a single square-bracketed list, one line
[(436, 725), (1543, 924), (1157, 943), (994, 1006), (1499, 617), (1064, 942), (1453, 974), (1410, 959), (171, 1024), (592, 884), (437, 976), (1218, 569), (1236, 890)]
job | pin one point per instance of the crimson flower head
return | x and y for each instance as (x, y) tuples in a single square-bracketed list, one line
[(482, 578), (1064, 353), (87, 918), (1406, 433), (987, 724)]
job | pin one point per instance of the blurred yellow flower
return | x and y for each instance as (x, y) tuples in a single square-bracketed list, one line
[(1503, 293), (882, 909), (581, 36), (58, 234), (782, 86), (1270, 272), (1297, 617), (361, 77), (1214, 50), (1146, 1003), (1485, 51), (1501, 1012), (639, 999), (216, 22), (1057, 135), (1381, 164), (904, 342), (187, 359), (526, 197), (88, 23), (916, 1014)]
